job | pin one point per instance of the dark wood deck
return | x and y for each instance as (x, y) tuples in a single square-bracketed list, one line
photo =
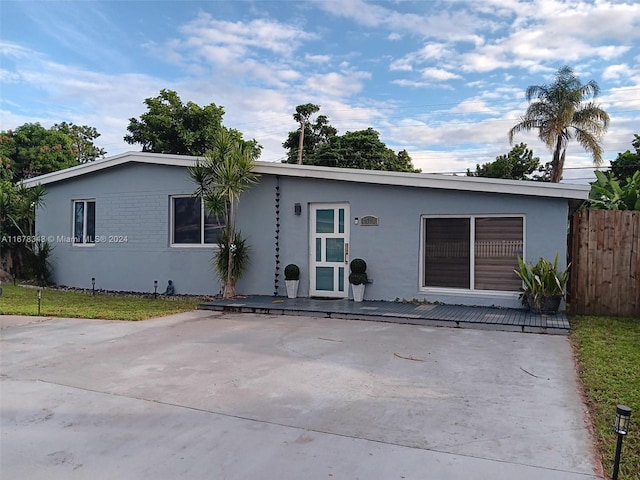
[(458, 316)]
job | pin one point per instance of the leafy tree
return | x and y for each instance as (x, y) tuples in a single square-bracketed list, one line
[(311, 135), (32, 150), (627, 163), (17, 225), (169, 126), (402, 163), (608, 194), (560, 114), (518, 164), (360, 149), (221, 177), (82, 138)]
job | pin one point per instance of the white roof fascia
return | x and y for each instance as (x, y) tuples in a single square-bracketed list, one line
[(418, 180)]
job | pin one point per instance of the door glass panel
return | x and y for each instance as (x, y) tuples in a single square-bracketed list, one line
[(341, 220), (324, 221), (335, 250), (341, 279), (318, 249), (324, 278)]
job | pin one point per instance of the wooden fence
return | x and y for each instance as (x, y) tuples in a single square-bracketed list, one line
[(605, 263)]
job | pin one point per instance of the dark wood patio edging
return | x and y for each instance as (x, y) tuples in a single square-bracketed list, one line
[(457, 316)]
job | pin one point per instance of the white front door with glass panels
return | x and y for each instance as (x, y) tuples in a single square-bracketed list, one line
[(329, 250)]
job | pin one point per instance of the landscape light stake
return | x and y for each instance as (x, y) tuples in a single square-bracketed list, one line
[(623, 415), (39, 299), (93, 285), (155, 289)]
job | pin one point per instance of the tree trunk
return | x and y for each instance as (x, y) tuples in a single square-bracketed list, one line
[(558, 162), (301, 141), (229, 284)]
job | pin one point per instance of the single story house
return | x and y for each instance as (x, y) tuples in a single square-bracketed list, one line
[(131, 219)]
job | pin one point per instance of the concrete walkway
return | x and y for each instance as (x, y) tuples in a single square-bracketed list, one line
[(206, 395)]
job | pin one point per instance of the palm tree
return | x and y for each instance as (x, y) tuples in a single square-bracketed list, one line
[(222, 176), (560, 114)]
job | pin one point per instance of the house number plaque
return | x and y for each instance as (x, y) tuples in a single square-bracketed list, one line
[(369, 221)]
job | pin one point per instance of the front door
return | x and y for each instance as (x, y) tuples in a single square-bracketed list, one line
[(329, 250)]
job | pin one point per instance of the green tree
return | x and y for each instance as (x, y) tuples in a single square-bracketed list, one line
[(361, 149), (627, 163), (518, 164), (82, 138), (17, 225), (221, 177), (561, 113), (32, 150), (311, 135), (169, 126)]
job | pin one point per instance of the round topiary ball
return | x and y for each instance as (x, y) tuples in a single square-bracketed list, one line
[(358, 278), (291, 272), (358, 265)]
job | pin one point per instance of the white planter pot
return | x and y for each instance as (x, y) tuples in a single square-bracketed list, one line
[(358, 292), (292, 288)]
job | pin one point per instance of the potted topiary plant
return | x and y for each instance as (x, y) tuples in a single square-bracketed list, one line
[(358, 278), (543, 285), (292, 279)]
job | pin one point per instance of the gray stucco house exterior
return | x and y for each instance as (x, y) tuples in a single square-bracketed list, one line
[(130, 219)]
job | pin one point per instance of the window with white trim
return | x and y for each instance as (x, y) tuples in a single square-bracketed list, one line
[(472, 252), (84, 222), (192, 223)]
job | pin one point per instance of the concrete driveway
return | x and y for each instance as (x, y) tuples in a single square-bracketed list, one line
[(207, 395)]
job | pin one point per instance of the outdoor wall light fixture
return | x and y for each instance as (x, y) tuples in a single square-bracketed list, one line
[(93, 285), (39, 299), (621, 427), (297, 209), (155, 289)]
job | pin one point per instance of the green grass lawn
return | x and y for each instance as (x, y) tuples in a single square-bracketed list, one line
[(17, 300), (608, 355)]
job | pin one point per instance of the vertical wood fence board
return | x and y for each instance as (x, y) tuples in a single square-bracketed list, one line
[(620, 272), (605, 256)]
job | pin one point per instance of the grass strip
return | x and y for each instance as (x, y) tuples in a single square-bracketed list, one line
[(608, 355), (22, 300)]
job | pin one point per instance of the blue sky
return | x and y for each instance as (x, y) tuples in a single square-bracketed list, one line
[(444, 80)]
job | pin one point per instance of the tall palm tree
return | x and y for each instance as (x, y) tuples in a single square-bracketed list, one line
[(222, 176), (560, 113)]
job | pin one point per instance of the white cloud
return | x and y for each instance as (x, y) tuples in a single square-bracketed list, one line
[(438, 74), (318, 58), (260, 34), (336, 84), (475, 106), (614, 72)]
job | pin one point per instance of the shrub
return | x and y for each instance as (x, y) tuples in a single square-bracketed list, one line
[(358, 275), (240, 252), (292, 272), (358, 265)]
